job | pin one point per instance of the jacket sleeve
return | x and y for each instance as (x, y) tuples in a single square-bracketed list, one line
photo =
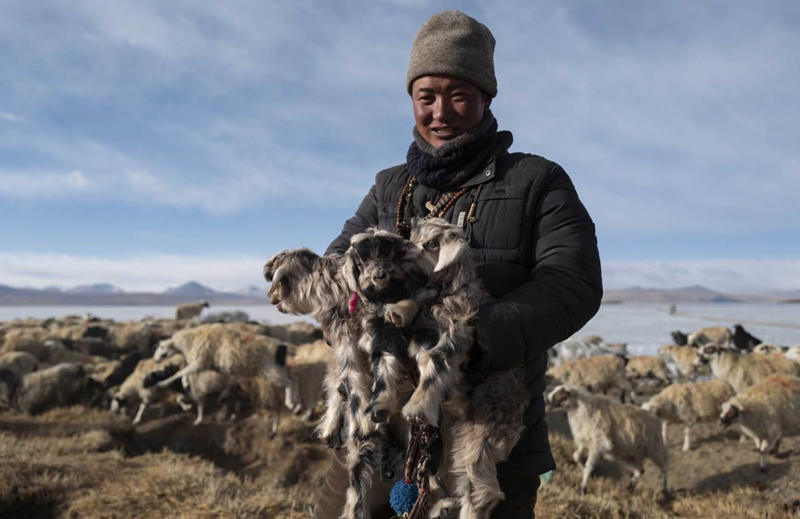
[(366, 216), (563, 290)]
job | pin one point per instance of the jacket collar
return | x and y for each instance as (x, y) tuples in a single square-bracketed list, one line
[(484, 167)]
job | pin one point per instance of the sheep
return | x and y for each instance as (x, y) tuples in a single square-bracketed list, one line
[(29, 339), (743, 371), (679, 360), (214, 346), (134, 336), (766, 412), (719, 335), (307, 368), (295, 333), (599, 373), (38, 391), (793, 353), (742, 339), (20, 362), (602, 428), (582, 347), (201, 385), (134, 390), (647, 367), (126, 366), (190, 310), (689, 403), (766, 348)]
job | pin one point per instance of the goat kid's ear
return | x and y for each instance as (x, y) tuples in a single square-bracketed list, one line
[(449, 252)]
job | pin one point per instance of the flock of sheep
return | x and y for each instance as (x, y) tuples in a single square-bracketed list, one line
[(712, 374), (709, 375), (182, 362)]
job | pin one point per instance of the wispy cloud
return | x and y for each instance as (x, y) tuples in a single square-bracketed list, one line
[(134, 273), (671, 118)]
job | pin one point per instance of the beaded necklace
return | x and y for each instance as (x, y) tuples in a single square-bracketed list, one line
[(438, 210)]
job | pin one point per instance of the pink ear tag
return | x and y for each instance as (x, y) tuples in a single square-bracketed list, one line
[(353, 301)]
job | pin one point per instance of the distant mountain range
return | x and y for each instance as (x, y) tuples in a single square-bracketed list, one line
[(108, 294), (693, 294)]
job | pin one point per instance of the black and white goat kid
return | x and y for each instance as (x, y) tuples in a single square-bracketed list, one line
[(482, 425)]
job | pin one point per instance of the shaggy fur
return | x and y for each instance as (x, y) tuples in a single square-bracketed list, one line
[(308, 368), (766, 412), (199, 387), (719, 335), (304, 283), (58, 385), (742, 371), (602, 428), (743, 340), (690, 404), (600, 373), (19, 362), (679, 360), (484, 426), (227, 350), (583, 347), (647, 367)]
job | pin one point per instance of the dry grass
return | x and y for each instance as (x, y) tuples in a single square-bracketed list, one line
[(81, 462)]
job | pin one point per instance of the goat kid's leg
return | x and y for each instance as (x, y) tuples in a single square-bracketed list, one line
[(437, 374), (687, 440), (664, 431), (389, 373)]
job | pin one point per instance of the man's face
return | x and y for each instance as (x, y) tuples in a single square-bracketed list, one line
[(446, 107)]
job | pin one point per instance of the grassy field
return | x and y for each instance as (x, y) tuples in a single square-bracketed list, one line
[(83, 462)]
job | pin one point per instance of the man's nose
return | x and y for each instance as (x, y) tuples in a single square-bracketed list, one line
[(442, 109)]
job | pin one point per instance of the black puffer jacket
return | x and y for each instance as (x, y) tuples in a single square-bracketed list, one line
[(536, 251)]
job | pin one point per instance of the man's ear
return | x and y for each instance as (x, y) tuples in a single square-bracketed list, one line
[(487, 100)]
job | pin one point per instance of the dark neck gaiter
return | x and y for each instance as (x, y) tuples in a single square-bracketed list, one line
[(439, 168)]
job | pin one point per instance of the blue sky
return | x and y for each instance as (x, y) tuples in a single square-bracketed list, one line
[(148, 143)]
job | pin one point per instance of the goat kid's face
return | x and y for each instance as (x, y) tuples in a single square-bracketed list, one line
[(441, 242), (381, 266), (283, 271)]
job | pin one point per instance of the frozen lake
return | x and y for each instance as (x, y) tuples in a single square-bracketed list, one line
[(643, 326)]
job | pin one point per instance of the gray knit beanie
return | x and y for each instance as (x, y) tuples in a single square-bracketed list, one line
[(454, 44)]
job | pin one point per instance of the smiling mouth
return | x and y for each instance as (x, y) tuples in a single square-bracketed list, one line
[(445, 133)]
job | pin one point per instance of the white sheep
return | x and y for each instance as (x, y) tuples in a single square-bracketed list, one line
[(689, 403), (133, 390), (793, 353), (582, 347), (57, 385), (19, 362), (679, 360), (190, 310), (307, 369), (766, 412), (199, 387), (766, 348), (602, 428), (227, 350), (719, 335), (596, 374), (741, 370)]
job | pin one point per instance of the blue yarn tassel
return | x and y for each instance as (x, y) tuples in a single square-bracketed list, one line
[(402, 497)]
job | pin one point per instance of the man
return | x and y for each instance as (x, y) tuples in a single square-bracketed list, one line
[(530, 236)]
